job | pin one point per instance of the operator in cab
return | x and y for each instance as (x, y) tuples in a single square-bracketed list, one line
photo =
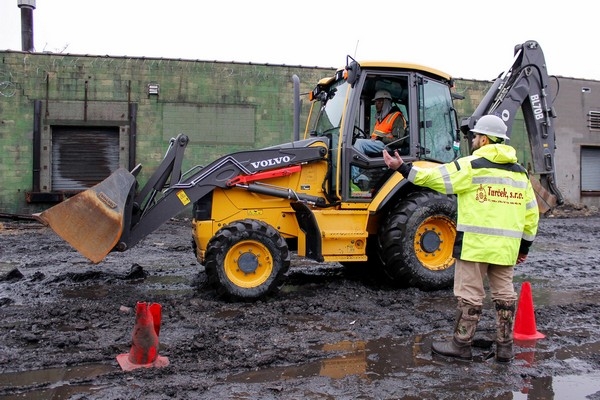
[(390, 124)]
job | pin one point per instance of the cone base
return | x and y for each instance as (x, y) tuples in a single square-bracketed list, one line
[(533, 336), (126, 365)]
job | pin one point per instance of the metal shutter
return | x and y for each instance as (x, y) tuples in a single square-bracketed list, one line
[(83, 156), (590, 169)]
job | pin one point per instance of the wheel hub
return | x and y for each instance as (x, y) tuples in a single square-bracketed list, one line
[(430, 241), (248, 263)]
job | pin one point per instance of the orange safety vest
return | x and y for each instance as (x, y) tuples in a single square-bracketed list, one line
[(383, 128)]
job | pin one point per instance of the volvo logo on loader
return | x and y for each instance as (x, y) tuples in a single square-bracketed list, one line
[(271, 162)]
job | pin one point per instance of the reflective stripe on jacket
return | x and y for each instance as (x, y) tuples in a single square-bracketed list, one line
[(384, 129), (497, 210)]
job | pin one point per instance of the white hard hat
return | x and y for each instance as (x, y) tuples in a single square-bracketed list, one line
[(491, 125), (382, 94)]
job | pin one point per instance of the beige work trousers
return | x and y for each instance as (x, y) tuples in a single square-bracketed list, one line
[(469, 279)]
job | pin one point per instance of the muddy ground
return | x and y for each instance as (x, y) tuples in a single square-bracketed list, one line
[(331, 333)]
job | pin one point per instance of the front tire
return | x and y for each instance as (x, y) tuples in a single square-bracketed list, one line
[(247, 260), (416, 241)]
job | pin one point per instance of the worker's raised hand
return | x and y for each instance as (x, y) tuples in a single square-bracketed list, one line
[(393, 162)]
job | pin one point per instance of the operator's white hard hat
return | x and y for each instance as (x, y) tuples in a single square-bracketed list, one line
[(382, 94), (491, 125)]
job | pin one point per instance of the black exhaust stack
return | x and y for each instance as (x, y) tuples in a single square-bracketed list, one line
[(27, 7)]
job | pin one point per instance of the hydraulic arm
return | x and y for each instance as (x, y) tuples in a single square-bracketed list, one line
[(525, 86)]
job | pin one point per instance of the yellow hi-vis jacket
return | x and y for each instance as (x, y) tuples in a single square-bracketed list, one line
[(497, 210)]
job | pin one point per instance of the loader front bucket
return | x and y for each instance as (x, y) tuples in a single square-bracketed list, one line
[(92, 221)]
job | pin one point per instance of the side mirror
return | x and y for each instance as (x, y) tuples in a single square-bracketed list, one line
[(352, 71)]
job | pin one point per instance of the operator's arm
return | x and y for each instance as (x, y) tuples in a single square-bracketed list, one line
[(398, 127)]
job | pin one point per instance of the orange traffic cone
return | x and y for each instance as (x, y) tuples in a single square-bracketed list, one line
[(525, 327), (144, 348), (156, 311)]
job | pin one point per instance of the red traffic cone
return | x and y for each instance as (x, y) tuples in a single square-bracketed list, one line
[(144, 348), (156, 311), (525, 327)]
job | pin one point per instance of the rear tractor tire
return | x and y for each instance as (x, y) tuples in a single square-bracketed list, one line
[(247, 260), (416, 241)]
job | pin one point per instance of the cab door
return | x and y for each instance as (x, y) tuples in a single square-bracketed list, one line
[(359, 123)]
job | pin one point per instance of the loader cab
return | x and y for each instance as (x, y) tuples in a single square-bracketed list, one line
[(365, 166), (345, 112)]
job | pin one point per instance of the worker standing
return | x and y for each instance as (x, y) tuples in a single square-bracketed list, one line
[(496, 224)]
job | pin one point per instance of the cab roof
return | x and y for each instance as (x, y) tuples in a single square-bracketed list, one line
[(387, 65), (405, 66)]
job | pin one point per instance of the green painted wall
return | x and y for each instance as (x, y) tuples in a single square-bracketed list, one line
[(222, 107)]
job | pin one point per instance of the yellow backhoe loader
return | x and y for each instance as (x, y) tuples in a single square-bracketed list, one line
[(319, 195)]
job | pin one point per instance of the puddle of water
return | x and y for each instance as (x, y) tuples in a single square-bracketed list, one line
[(438, 303), (169, 285), (61, 392), (87, 292), (534, 351), (175, 285), (171, 292), (565, 297), (372, 359), (384, 358), (55, 382), (547, 296), (167, 280), (560, 387), (575, 387)]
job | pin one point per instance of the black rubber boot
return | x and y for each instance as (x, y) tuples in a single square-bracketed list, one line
[(459, 346), (454, 349), (505, 312), (504, 352)]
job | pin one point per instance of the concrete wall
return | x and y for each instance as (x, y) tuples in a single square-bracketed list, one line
[(573, 106)]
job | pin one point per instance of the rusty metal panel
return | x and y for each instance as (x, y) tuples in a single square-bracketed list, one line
[(83, 156)]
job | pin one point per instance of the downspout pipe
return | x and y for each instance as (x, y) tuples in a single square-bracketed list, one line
[(296, 81)]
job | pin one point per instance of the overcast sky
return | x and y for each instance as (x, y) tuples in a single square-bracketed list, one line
[(470, 39)]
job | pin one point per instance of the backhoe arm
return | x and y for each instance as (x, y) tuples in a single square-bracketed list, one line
[(525, 86)]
